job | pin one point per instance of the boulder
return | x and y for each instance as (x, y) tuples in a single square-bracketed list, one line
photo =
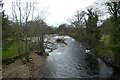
[(46, 54)]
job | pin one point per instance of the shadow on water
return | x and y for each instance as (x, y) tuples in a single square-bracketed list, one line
[(92, 64)]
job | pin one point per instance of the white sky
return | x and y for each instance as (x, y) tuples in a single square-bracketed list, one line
[(58, 11), (61, 10)]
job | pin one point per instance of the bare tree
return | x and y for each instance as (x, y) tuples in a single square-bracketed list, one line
[(21, 13), (78, 19)]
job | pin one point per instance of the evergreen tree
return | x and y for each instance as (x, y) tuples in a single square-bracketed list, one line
[(92, 31)]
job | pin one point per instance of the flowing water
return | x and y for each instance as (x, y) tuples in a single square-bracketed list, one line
[(70, 61)]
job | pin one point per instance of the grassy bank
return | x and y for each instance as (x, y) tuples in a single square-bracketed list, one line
[(10, 49)]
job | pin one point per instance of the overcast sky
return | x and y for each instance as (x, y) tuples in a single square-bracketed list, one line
[(58, 11)]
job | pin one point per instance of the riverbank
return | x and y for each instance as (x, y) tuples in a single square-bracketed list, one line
[(109, 61), (107, 58), (19, 70)]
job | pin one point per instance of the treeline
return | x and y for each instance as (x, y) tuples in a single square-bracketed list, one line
[(103, 40)]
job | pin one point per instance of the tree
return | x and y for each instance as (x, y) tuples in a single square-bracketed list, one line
[(40, 32), (92, 31), (114, 10), (78, 24), (78, 20), (21, 12), (105, 27), (5, 26), (62, 28)]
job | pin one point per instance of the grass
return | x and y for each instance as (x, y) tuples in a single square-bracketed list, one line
[(10, 49)]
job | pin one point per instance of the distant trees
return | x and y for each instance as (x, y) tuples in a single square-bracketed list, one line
[(62, 29)]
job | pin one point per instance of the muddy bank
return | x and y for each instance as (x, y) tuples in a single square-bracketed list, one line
[(19, 70)]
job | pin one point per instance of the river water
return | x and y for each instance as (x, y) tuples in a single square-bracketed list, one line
[(70, 61)]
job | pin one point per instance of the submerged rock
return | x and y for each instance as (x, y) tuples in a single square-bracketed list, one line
[(60, 40), (87, 51)]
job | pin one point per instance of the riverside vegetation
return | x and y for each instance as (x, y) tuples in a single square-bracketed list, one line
[(103, 40)]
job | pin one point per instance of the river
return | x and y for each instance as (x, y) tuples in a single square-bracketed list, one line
[(70, 61)]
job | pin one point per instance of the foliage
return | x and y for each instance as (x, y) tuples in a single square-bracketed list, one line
[(92, 31), (105, 27), (114, 9), (105, 39)]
